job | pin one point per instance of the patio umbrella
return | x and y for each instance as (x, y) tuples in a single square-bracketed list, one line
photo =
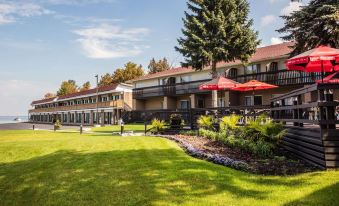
[(321, 59), (253, 85), (220, 83), (332, 79)]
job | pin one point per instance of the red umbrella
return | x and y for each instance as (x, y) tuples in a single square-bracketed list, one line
[(321, 59), (332, 79), (219, 83), (253, 85)]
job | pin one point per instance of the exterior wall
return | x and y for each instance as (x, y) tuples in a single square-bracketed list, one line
[(128, 98), (171, 103), (154, 103), (181, 98), (138, 104)]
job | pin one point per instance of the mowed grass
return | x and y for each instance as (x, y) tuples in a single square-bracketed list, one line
[(46, 168), (139, 128)]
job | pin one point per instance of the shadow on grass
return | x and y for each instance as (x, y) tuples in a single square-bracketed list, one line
[(126, 177), (327, 196)]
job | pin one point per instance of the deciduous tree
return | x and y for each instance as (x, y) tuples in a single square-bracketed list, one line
[(86, 86), (105, 80), (129, 72), (67, 87), (158, 66), (49, 95)]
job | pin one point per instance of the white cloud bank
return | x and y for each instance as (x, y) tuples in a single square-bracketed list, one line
[(109, 41), (267, 20), (276, 40), (10, 12), (290, 8)]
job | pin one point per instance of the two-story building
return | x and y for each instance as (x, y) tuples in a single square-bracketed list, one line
[(178, 88), (103, 106)]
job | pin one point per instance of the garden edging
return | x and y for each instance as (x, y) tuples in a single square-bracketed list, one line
[(214, 158)]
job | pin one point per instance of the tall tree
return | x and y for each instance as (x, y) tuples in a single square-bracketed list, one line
[(105, 80), (86, 86), (49, 95), (129, 72), (217, 31), (67, 87), (315, 24), (158, 66)]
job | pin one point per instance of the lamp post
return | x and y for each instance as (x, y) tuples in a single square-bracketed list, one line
[(97, 100)]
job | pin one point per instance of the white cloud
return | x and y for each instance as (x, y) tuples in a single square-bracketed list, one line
[(267, 20), (290, 8), (10, 12), (75, 2), (108, 41), (276, 40)]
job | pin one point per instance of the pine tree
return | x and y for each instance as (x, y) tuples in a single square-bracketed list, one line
[(315, 24), (217, 31), (158, 66)]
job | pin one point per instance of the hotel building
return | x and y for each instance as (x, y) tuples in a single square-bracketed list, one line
[(83, 107), (178, 89)]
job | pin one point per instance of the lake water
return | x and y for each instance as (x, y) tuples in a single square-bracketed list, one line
[(10, 119)]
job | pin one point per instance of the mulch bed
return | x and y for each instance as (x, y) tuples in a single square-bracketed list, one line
[(282, 163)]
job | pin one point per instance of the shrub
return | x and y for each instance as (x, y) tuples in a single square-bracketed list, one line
[(176, 121), (157, 125), (189, 133), (205, 122), (208, 134), (230, 122), (57, 124), (263, 149)]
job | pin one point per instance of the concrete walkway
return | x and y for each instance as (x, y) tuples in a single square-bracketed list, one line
[(29, 126)]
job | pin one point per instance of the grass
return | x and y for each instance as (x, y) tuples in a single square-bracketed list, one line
[(140, 128), (46, 168)]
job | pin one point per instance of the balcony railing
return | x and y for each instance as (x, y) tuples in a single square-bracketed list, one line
[(169, 90), (279, 78), (113, 104)]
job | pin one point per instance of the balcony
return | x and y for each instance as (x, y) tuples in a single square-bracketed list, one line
[(112, 104), (169, 90), (280, 78)]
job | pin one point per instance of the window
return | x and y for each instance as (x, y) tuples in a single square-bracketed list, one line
[(115, 97), (252, 69), (273, 67), (104, 99), (221, 102), (201, 103), (184, 104), (256, 100), (232, 73)]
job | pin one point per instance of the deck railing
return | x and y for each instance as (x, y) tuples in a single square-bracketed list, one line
[(279, 78), (113, 104)]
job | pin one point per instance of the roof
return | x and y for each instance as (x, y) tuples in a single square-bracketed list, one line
[(78, 94), (262, 53), (44, 100), (91, 91)]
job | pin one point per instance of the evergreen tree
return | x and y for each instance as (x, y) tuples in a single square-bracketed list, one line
[(105, 80), (158, 66), (217, 31), (86, 86), (315, 24), (67, 87)]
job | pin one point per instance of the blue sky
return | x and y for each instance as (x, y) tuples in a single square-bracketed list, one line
[(43, 42)]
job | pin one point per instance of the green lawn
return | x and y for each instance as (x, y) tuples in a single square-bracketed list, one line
[(140, 128), (46, 168)]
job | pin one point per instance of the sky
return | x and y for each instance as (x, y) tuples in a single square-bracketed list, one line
[(43, 42)]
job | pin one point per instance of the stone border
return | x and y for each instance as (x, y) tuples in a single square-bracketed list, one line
[(215, 158)]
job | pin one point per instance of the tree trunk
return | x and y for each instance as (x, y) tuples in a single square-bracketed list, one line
[(214, 92)]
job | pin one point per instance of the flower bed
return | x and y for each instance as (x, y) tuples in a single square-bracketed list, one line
[(219, 153)]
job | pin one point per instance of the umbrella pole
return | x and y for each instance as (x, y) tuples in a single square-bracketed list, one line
[(322, 71)]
